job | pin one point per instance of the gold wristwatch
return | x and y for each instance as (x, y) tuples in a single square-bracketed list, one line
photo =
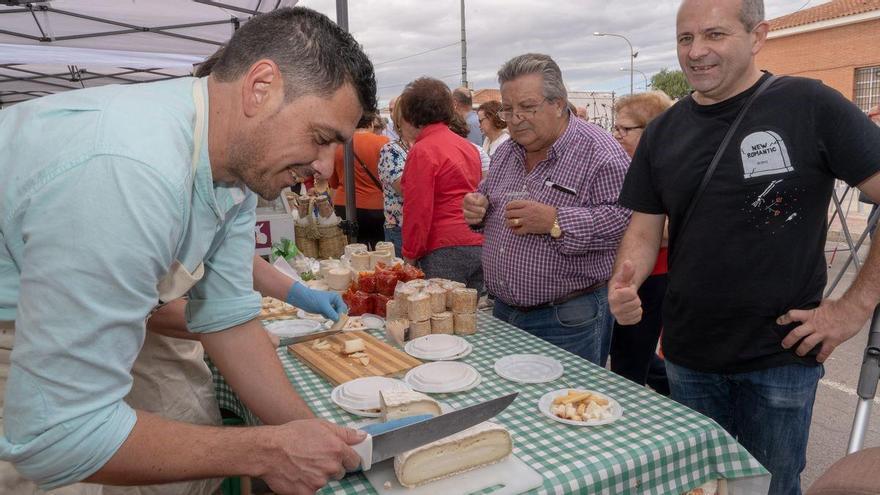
[(556, 230)]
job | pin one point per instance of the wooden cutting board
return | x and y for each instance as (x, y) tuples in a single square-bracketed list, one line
[(339, 368)]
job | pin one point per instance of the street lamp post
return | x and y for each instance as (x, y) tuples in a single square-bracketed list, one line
[(632, 55), (640, 72)]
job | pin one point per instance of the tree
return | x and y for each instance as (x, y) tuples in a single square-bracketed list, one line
[(671, 82)]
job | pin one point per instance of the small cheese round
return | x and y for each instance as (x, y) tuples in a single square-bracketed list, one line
[(339, 278), (360, 261), (438, 298), (442, 323), (419, 329), (465, 323), (419, 307), (464, 300)]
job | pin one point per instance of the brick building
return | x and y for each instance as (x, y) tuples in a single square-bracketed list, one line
[(837, 42)]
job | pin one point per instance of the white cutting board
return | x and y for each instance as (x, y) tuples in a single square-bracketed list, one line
[(515, 475)]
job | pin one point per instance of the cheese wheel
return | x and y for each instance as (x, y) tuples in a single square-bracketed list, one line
[(360, 261), (353, 248), (477, 446), (419, 307), (419, 329), (339, 278), (451, 286), (418, 284), (386, 247), (397, 404), (401, 295), (465, 323), (380, 257), (327, 265), (393, 310), (438, 298), (442, 323), (464, 300), (397, 330)]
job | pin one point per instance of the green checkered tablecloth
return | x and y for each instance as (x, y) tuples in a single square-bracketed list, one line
[(657, 447)]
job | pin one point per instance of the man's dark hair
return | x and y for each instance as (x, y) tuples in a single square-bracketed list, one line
[(426, 101), (315, 55), (463, 97), (204, 69)]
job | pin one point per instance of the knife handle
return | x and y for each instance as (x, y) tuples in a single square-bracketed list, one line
[(365, 452)]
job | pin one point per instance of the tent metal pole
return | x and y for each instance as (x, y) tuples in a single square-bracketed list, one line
[(867, 388), (350, 226)]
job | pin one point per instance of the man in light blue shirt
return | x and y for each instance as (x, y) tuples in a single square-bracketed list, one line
[(115, 198), (464, 107)]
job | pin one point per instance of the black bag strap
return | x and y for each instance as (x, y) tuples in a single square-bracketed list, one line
[(367, 170), (718, 154)]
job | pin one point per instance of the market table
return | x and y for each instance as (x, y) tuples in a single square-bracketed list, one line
[(657, 447)]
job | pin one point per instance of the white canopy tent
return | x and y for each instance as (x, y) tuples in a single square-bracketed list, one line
[(55, 45)]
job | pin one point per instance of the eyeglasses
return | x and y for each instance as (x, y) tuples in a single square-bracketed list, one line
[(623, 130), (525, 112)]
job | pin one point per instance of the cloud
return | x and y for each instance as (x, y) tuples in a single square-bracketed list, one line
[(500, 29)]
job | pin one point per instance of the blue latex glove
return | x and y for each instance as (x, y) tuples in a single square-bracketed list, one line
[(328, 304), (379, 428)]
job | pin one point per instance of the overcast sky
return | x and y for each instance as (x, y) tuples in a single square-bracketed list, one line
[(500, 29)]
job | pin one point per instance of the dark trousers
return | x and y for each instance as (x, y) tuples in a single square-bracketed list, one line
[(371, 225), (633, 347), (458, 263)]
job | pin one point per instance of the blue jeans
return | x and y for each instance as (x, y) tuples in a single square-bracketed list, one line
[(395, 236), (581, 326), (767, 411)]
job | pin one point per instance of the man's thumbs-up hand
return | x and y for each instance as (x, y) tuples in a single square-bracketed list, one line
[(623, 295)]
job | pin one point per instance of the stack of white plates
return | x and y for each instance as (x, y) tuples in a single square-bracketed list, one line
[(438, 347), (528, 368), (443, 377), (361, 396)]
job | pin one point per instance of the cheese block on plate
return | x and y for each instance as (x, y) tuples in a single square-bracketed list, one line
[(475, 447), (396, 404)]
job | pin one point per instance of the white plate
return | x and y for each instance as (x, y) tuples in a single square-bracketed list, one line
[(528, 368), (362, 394), (293, 328), (373, 322), (443, 377), (438, 345), (467, 350), (547, 400)]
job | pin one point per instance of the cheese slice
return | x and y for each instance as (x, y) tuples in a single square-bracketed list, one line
[(478, 446), (396, 404)]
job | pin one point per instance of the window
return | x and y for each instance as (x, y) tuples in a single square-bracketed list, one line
[(867, 90)]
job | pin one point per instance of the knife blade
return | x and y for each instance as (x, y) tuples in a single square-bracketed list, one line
[(391, 443), (312, 336)]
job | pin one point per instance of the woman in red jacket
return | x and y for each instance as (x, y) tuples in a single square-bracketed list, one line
[(441, 167)]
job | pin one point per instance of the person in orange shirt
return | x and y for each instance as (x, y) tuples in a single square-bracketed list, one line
[(368, 190)]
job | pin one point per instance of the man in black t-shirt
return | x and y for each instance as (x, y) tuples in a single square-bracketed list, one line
[(745, 326)]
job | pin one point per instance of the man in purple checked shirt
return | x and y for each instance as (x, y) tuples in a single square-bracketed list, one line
[(547, 258)]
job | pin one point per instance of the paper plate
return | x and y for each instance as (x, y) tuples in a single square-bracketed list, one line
[(362, 394), (436, 346), (443, 377), (293, 328), (546, 402), (374, 322), (427, 357), (528, 368)]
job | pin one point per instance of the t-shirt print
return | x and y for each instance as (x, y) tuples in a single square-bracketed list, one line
[(764, 153)]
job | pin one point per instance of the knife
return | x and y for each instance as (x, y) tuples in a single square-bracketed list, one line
[(311, 336), (377, 448)]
